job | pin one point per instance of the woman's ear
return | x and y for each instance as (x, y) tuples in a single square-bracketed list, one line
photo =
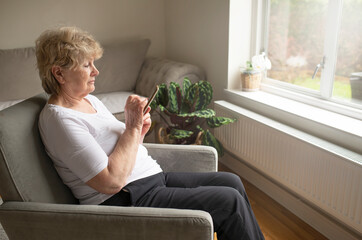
[(57, 73)]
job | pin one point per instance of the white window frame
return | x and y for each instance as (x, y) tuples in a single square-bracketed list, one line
[(323, 98)]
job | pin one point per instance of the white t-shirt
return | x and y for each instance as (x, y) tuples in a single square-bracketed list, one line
[(79, 145)]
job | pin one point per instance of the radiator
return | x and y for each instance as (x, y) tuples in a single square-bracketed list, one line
[(324, 174)]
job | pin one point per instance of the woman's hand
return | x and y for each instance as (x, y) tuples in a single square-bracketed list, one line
[(134, 117)]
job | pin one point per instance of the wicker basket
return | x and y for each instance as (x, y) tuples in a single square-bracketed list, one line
[(250, 80)]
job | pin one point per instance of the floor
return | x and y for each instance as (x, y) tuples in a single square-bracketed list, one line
[(275, 221)]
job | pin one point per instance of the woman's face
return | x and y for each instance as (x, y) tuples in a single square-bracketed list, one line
[(80, 80)]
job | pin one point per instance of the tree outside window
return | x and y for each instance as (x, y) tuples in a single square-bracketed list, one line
[(298, 45)]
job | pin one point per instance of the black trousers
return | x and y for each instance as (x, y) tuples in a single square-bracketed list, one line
[(219, 193)]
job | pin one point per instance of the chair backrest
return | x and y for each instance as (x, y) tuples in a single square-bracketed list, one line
[(26, 172)]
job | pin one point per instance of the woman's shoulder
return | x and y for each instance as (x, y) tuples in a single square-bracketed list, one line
[(52, 113)]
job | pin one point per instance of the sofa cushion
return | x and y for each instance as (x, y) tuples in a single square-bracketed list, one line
[(19, 77), (114, 101), (120, 66), (24, 164), (7, 104), (159, 70)]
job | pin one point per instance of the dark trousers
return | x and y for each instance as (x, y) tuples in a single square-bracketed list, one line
[(218, 193)]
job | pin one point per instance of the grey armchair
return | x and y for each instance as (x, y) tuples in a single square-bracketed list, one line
[(37, 205)]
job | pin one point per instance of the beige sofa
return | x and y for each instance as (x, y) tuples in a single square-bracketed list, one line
[(124, 69)]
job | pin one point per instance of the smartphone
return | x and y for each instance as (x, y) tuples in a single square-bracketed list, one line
[(150, 99)]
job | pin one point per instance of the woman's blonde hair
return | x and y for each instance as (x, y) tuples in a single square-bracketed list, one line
[(66, 47)]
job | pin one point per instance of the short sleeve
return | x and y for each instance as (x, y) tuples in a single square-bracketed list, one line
[(69, 142)]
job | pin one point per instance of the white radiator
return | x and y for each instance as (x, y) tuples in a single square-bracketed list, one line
[(324, 174)]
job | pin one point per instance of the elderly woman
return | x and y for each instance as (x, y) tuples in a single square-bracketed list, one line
[(103, 161)]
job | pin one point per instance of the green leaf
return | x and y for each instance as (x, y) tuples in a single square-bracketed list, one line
[(179, 99), (161, 97), (210, 140), (180, 134), (153, 104), (185, 86), (205, 95), (206, 113), (185, 106), (162, 108), (191, 95), (214, 122), (172, 95)]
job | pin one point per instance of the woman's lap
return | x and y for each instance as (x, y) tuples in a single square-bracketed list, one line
[(219, 193)]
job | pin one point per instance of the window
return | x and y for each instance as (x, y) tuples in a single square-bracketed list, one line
[(315, 47)]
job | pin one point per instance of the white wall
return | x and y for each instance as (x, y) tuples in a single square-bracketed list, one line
[(197, 32), (21, 21), (192, 31)]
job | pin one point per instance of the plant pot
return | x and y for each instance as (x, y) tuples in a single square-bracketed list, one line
[(164, 138), (250, 80)]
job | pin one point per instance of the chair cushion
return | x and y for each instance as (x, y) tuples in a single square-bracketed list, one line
[(26, 172), (7, 104), (120, 66)]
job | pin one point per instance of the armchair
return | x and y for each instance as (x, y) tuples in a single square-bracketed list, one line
[(37, 205)]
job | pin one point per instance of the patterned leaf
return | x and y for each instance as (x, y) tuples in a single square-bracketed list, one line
[(185, 106), (180, 134), (162, 108), (210, 140), (191, 96), (179, 99), (205, 95), (162, 95), (214, 122), (185, 85), (206, 113), (172, 95), (153, 104)]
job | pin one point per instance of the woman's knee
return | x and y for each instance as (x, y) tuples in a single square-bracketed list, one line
[(232, 180)]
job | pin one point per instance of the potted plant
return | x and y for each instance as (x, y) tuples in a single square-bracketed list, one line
[(252, 73), (185, 113)]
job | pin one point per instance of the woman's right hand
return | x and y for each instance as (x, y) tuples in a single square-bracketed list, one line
[(134, 112)]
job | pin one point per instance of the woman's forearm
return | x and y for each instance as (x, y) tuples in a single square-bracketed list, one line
[(120, 164), (123, 158)]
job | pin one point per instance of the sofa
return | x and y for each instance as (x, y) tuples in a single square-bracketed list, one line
[(124, 70)]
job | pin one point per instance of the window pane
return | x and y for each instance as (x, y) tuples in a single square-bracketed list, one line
[(348, 77), (295, 40)]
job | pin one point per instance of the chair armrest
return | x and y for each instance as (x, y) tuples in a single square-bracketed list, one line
[(155, 71), (28, 220), (184, 158)]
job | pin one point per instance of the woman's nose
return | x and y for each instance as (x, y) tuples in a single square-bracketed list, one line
[(95, 71)]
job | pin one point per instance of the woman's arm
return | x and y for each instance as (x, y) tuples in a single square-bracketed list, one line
[(121, 161)]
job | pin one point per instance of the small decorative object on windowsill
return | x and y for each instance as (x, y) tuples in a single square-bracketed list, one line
[(253, 73), (250, 80), (185, 115)]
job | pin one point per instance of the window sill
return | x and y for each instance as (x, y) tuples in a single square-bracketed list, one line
[(333, 127)]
